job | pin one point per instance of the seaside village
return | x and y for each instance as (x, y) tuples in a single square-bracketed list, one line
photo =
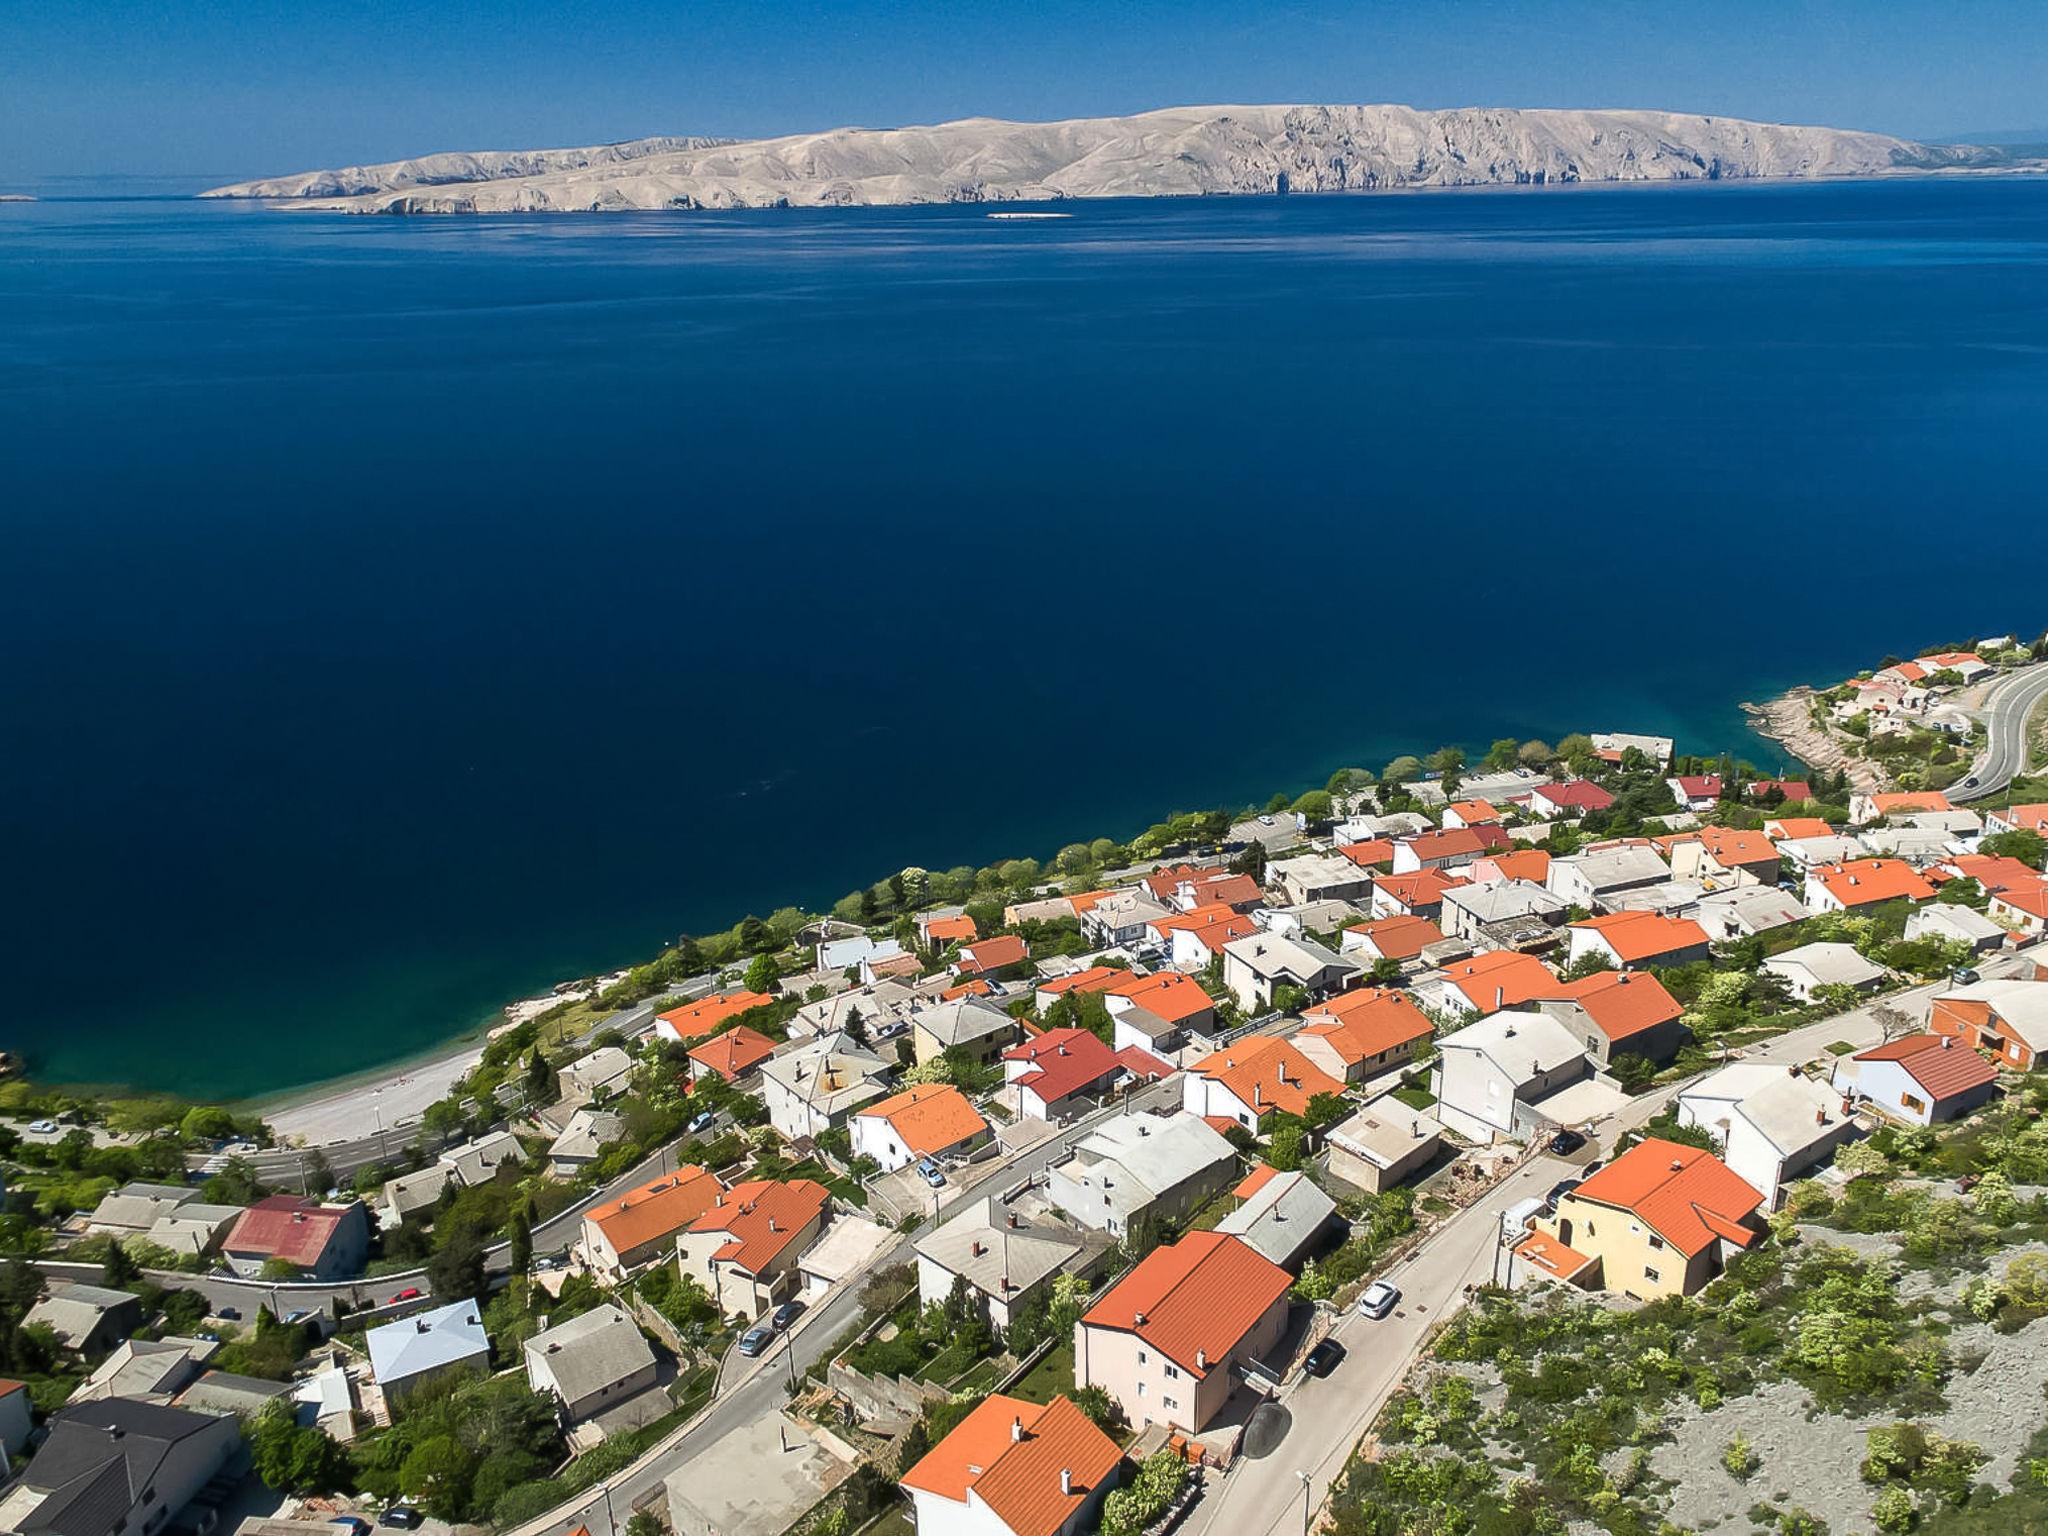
[(1526, 1135)]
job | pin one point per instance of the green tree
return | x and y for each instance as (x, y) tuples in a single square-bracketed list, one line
[(2021, 843), (763, 974), (519, 1232), (1315, 806), (291, 1457), (1534, 754), (1402, 770), (1284, 1146), (456, 1271), (1502, 755)]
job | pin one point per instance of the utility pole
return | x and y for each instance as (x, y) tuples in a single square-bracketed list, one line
[(1305, 1487)]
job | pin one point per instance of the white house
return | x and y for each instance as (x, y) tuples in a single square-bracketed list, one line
[(1140, 1166), (1920, 1079), (1259, 963), (814, 1087), (1954, 924), (1585, 879), (1004, 1257), (418, 1349), (1013, 1468), (1770, 1124), (1488, 1073), (1825, 963)]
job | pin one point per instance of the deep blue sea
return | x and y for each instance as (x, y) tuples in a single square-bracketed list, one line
[(399, 616)]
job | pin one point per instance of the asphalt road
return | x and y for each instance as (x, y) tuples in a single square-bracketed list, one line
[(2007, 708), (756, 1387)]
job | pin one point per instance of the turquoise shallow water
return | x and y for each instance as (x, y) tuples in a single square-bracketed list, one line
[(396, 617)]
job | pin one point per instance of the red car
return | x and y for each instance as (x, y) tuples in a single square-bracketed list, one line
[(410, 1293)]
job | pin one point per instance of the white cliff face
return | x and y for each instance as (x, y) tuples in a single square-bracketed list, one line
[(1179, 152)]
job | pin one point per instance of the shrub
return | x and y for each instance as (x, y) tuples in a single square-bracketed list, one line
[(1741, 1459)]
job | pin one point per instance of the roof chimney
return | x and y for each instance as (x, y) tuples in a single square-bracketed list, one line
[(1016, 1428), (1066, 1480), (1677, 1165), (1201, 1359), (1138, 1319)]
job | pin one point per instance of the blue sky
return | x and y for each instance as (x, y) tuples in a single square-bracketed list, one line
[(244, 87)]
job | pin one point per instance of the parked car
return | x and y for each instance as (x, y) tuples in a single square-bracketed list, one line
[(410, 1293), (229, 1314), (1324, 1358), (1965, 976), (933, 1174), (755, 1339), (785, 1314), (1558, 1191), (1378, 1299), (355, 1525), (297, 1316), (43, 1127), (1566, 1142), (701, 1122), (404, 1516), (548, 1261)]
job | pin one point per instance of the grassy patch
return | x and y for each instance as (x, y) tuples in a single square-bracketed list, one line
[(1049, 1378), (1840, 1048), (1415, 1096)]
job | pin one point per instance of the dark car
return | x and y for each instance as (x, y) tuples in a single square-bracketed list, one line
[(229, 1314), (1564, 1143), (1558, 1191), (785, 1314), (1324, 1358), (755, 1339), (404, 1516)]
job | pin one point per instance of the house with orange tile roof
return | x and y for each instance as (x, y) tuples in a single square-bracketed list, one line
[(1780, 829), (1717, 857), (986, 956), (1470, 813), (1695, 791), (1184, 887), (1399, 939), (2019, 818), (1632, 938), (1193, 940), (1531, 864), (1920, 1079), (1779, 791), (1375, 853), (2007, 1018), (731, 1055), (1659, 1220), (1418, 895), (621, 1234), (1619, 1013), (1858, 883), (1158, 1013), (1093, 978), (1867, 807), (1995, 872), (1170, 1341), (743, 1249), (1487, 983), (930, 1120), (1013, 1468), (2021, 906), (1257, 1074), (1362, 1033), (936, 930), (1449, 848), (693, 1021)]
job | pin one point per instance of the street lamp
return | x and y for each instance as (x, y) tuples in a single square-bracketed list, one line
[(1304, 1499)]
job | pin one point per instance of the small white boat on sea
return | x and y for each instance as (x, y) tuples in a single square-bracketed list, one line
[(1030, 215)]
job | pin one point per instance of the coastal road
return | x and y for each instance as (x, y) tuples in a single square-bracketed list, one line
[(2008, 705), (754, 1388), (1264, 1497)]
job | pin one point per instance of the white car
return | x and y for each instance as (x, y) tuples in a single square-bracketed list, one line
[(1379, 1299)]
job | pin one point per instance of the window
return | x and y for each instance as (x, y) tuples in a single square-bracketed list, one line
[(1143, 1357), (1651, 1275), (1141, 1389), (1656, 1242), (1169, 1402), (1172, 1372), (1917, 1105)]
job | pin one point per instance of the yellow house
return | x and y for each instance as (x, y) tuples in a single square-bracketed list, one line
[(1652, 1223)]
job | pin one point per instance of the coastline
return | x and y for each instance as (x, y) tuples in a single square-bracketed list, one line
[(1785, 720)]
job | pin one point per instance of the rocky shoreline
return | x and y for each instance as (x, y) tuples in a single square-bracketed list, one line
[(1788, 720)]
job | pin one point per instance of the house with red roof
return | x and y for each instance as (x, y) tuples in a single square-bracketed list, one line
[(1158, 1012), (1399, 939), (1785, 790), (1657, 1221), (1470, 813), (1569, 800), (730, 1055), (936, 930), (1051, 1072), (1375, 853), (2019, 818), (1619, 1013), (1865, 808), (319, 1242), (1695, 791), (743, 1248), (1193, 940), (1362, 1033), (1635, 937), (1920, 1079), (1530, 864), (1857, 883), (928, 1120), (1171, 1340), (1014, 1468)]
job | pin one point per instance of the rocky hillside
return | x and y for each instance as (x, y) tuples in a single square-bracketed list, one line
[(1179, 152)]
